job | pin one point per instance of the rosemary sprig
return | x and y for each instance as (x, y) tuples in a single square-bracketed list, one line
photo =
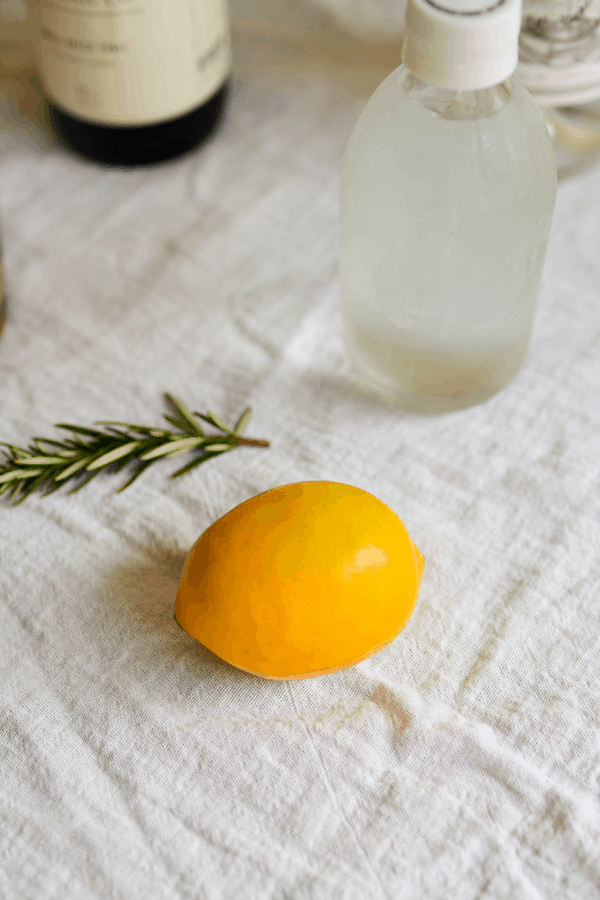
[(47, 464)]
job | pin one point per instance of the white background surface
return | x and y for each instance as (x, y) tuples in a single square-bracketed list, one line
[(461, 761)]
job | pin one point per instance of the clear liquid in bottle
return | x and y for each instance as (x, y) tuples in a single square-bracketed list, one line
[(446, 205)]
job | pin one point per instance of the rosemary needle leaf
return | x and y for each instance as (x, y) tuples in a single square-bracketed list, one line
[(139, 429), (141, 468), (76, 429), (107, 458), (219, 447), (179, 423), (25, 470), (37, 483), (16, 451), (40, 460), (40, 440), (83, 483), (185, 414), (117, 432), (240, 425), (214, 420), (13, 474), (13, 493), (173, 447), (192, 465), (75, 467)]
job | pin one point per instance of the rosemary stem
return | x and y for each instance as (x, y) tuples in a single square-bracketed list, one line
[(251, 442), (90, 450)]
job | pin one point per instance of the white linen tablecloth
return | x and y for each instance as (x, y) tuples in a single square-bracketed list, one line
[(463, 760)]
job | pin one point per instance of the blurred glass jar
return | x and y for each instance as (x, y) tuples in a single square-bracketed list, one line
[(559, 63), (2, 298)]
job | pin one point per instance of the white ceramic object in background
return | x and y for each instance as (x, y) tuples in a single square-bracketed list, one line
[(559, 63)]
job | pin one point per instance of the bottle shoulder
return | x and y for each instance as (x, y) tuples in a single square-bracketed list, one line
[(408, 97), (424, 127)]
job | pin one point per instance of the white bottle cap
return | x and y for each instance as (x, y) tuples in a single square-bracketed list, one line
[(462, 44)]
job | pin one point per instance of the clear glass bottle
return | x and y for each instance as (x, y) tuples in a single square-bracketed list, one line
[(447, 195)]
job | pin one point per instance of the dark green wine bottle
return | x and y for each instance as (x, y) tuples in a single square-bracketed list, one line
[(132, 83)]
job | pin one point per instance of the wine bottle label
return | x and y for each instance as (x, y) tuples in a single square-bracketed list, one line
[(132, 62)]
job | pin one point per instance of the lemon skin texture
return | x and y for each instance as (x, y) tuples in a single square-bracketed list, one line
[(301, 580)]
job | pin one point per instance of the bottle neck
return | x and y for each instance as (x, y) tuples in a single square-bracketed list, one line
[(455, 104)]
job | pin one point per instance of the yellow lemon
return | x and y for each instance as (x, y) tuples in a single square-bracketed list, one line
[(301, 580)]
